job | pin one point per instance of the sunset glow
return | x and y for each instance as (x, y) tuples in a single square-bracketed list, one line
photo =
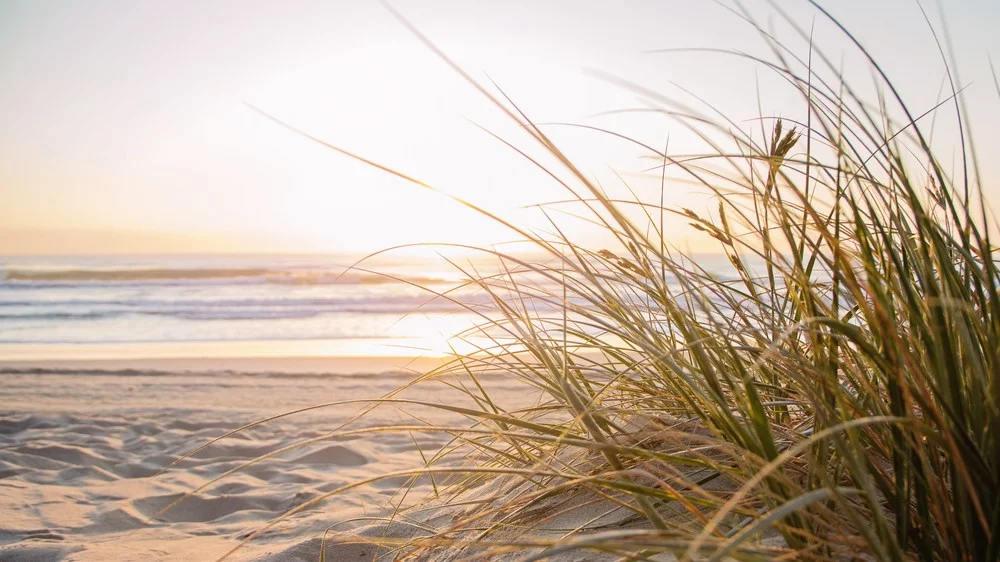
[(137, 126), (441, 280)]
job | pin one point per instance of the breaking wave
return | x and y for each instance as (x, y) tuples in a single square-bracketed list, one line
[(161, 276)]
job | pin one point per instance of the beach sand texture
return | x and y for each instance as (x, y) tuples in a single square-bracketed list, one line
[(82, 449)]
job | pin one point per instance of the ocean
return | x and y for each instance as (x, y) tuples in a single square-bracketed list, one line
[(173, 306), (64, 305)]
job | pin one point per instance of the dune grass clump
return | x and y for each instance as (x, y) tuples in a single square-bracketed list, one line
[(832, 393)]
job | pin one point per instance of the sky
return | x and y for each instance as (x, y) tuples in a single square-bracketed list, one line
[(130, 126)]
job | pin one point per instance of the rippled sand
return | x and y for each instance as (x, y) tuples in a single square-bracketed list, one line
[(82, 451)]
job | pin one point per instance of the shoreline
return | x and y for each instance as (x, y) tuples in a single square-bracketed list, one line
[(358, 365), (319, 347), (342, 357)]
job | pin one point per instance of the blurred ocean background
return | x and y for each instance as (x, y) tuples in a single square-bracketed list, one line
[(149, 306), (67, 303)]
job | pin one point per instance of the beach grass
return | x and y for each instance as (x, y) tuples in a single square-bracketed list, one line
[(833, 393)]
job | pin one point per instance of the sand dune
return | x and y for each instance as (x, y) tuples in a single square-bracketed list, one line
[(81, 456)]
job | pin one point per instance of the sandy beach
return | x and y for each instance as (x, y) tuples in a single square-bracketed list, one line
[(84, 444), (441, 281)]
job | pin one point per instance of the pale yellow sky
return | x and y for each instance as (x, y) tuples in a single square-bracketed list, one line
[(127, 120)]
